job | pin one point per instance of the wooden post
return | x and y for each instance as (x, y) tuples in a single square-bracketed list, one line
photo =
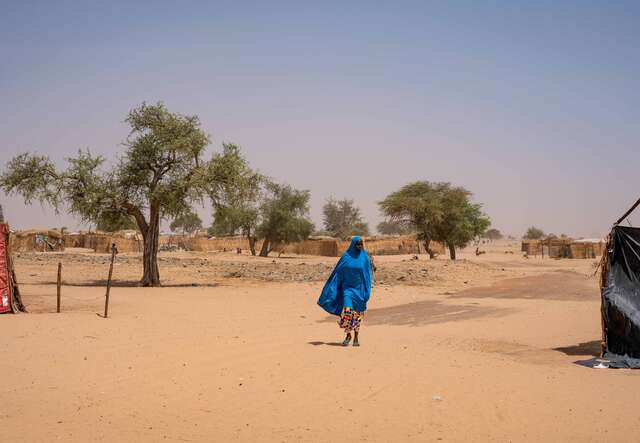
[(114, 251), (59, 285), (16, 305), (604, 272), (626, 214)]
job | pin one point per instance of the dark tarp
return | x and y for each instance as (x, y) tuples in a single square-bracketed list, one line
[(621, 298)]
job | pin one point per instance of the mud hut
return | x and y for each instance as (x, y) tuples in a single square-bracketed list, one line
[(37, 240), (558, 247), (75, 239), (552, 247), (395, 245), (322, 246), (125, 241), (587, 248), (531, 247)]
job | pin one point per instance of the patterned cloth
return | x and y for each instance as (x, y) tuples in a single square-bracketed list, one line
[(350, 319)]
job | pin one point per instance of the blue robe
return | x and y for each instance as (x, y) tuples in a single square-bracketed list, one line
[(349, 285)]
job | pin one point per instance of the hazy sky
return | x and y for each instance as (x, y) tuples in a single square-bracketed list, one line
[(533, 106)]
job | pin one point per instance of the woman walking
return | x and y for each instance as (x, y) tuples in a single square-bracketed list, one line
[(348, 289)]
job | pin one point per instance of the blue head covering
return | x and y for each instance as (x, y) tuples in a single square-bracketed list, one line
[(350, 282)]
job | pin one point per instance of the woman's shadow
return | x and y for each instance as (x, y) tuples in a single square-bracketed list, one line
[(320, 343)]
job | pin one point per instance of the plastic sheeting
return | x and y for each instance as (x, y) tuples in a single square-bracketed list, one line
[(621, 298)]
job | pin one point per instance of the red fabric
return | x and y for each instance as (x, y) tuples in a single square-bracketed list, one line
[(5, 288)]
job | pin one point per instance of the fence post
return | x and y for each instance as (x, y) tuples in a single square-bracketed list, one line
[(59, 286), (114, 251)]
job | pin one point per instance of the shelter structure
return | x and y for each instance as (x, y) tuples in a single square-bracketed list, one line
[(587, 248), (559, 247), (551, 246), (75, 239), (37, 240), (125, 241), (315, 245), (531, 247), (620, 295), (10, 300)]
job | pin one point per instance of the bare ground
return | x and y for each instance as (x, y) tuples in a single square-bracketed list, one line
[(494, 347)]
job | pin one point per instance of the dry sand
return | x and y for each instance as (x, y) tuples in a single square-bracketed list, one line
[(490, 348)]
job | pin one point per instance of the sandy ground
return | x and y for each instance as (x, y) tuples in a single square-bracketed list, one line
[(233, 348)]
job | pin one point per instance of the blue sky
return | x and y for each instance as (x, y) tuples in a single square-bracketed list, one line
[(533, 106)]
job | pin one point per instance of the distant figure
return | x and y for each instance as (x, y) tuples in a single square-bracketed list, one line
[(348, 289), (238, 250)]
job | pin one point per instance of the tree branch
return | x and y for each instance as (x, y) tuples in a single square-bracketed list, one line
[(136, 213)]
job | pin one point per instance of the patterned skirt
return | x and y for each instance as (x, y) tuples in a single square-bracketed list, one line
[(350, 319)]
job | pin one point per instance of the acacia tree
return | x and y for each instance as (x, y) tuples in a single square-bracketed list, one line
[(187, 222), (438, 212), (418, 205), (393, 227), (462, 220), (112, 222), (284, 217), (534, 233), (342, 219), (236, 200), (493, 234), (160, 174)]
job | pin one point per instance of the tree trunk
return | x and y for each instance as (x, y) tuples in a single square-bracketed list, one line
[(430, 251), (452, 251), (151, 238), (252, 245), (17, 297), (264, 251)]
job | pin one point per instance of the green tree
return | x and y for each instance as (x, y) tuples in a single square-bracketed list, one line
[(462, 222), (394, 227), (534, 233), (493, 234), (342, 219), (115, 221), (160, 174), (438, 212), (236, 200), (417, 204), (187, 222), (284, 217)]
